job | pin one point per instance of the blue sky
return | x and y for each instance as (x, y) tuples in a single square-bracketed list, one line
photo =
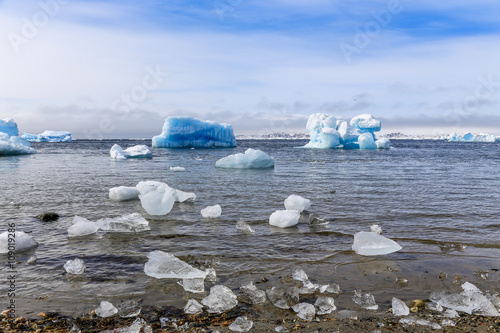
[(119, 68)]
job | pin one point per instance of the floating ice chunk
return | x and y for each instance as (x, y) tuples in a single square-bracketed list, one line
[(419, 321), (14, 145), (177, 168), (305, 311), (244, 227), (158, 201), (193, 307), (221, 299), (186, 132), (469, 137), (148, 186), (23, 242), (284, 218), (181, 196), (251, 159), (163, 265), (139, 151), (282, 297), (325, 305), (75, 266), (106, 309), (139, 325), (123, 193), (298, 203), (364, 300), (31, 260), (372, 244), (399, 308), (376, 229), (129, 309), (127, 223), (383, 143), (82, 227), (211, 212), (9, 127), (254, 295), (241, 324), (366, 123), (366, 141), (49, 136), (323, 131)]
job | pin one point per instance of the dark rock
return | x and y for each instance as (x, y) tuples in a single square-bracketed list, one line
[(47, 217)]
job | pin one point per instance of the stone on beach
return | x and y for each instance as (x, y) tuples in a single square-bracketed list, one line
[(298, 203), (75, 266), (23, 241), (221, 299), (284, 218), (211, 212), (372, 244)]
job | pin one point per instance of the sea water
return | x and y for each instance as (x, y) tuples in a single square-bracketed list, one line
[(439, 200)]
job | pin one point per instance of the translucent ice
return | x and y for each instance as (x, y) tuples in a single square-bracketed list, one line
[(106, 309), (211, 212), (129, 309), (181, 196), (163, 265), (399, 308), (452, 301), (251, 159), (158, 201), (75, 266), (221, 299), (253, 294), (383, 143), (193, 307), (323, 131), (307, 286), (284, 218), (195, 285), (186, 132), (282, 297), (305, 311), (244, 227), (23, 241), (82, 227), (419, 321), (324, 305), (241, 324), (211, 274), (123, 193), (372, 244), (298, 203), (364, 300), (376, 229), (9, 127), (49, 136), (139, 151), (127, 223)]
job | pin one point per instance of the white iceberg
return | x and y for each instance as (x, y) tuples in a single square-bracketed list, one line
[(139, 151), (106, 309), (298, 203), (383, 143), (187, 132), (211, 212), (251, 159), (367, 141), (371, 244), (49, 136), (284, 218), (127, 223), (221, 299), (14, 145), (366, 123), (323, 131), (23, 241), (123, 193), (177, 169), (75, 266), (82, 227), (9, 127)]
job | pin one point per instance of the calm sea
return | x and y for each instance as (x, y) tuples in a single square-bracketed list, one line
[(440, 201)]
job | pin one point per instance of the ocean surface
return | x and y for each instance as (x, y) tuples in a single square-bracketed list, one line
[(439, 200)]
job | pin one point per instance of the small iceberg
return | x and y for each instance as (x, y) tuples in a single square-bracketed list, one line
[(284, 218), (296, 202), (9, 127), (251, 159), (82, 227), (211, 212), (23, 242), (10, 142), (49, 136), (158, 198), (369, 243), (139, 151), (187, 132), (123, 193)]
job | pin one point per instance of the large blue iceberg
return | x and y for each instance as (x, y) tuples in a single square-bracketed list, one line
[(469, 137), (49, 136), (187, 132), (10, 143), (328, 132)]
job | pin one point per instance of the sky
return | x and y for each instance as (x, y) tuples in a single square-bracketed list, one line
[(117, 69)]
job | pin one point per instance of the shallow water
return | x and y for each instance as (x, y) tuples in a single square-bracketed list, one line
[(438, 200)]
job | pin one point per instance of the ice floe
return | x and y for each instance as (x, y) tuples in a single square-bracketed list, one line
[(140, 151), (251, 159)]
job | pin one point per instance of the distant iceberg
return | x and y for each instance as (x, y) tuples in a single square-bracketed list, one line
[(328, 132), (140, 151), (251, 159), (49, 136), (469, 137), (10, 143), (187, 132)]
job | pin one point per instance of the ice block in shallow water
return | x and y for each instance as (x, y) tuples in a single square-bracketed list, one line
[(284, 218), (364, 300), (372, 244), (163, 265), (158, 201), (366, 123), (305, 311), (298, 203), (75, 266), (127, 223), (123, 193), (251, 159), (221, 299), (106, 309), (23, 242), (82, 227), (282, 297), (244, 227), (212, 212)]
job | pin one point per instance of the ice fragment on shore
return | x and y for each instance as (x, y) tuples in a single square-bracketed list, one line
[(244, 227), (282, 297), (419, 321), (433, 306), (452, 301), (127, 223), (211, 274), (211, 212), (281, 329), (106, 309), (23, 241), (177, 168), (193, 307), (251, 159), (332, 288), (305, 311), (75, 266), (372, 244), (221, 299), (449, 313), (82, 227), (365, 300), (447, 323), (399, 308), (241, 324), (129, 309), (284, 218), (324, 305), (140, 151), (123, 193), (254, 295), (298, 203), (307, 286), (196, 285)]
